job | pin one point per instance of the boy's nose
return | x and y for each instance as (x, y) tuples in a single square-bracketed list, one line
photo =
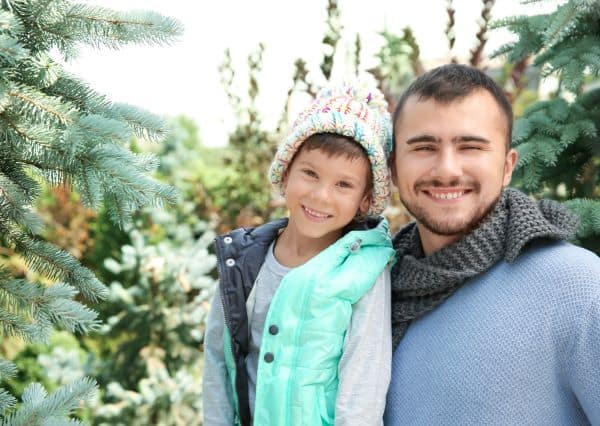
[(321, 193)]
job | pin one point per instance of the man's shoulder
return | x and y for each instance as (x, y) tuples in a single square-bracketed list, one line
[(556, 254), (558, 268)]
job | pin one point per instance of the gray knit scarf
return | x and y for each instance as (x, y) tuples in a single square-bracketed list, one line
[(420, 283)]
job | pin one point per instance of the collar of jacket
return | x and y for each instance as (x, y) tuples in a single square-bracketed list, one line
[(240, 255)]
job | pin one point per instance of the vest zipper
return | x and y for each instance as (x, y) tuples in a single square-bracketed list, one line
[(237, 420), (220, 274)]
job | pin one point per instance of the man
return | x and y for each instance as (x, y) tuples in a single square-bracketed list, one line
[(495, 318)]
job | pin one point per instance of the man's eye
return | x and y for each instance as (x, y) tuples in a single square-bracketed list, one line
[(470, 147), (424, 148)]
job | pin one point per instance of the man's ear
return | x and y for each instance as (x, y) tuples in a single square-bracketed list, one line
[(512, 156)]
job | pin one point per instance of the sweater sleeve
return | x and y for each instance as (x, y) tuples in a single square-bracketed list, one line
[(584, 362), (216, 394), (364, 369)]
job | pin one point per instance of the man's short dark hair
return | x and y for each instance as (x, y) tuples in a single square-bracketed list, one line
[(451, 82)]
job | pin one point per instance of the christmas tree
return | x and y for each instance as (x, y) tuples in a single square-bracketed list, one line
[(56, 130), (558, 139)]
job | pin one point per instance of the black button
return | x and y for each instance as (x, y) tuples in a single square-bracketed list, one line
[(273, 329), (269, 357)]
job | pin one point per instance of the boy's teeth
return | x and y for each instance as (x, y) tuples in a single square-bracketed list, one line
[(314, 213)]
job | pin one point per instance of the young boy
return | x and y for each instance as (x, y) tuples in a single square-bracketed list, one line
[(299, 329)]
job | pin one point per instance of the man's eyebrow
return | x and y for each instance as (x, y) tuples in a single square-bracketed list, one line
[(470, 138), (422, 138), (457, 139)]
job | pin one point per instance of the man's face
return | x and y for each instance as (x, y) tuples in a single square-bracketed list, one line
[(451, 164)]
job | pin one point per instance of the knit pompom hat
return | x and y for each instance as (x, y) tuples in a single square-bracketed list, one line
[(355, 110)]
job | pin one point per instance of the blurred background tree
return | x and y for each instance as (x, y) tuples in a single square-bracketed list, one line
[(242, 196), (558, 139)]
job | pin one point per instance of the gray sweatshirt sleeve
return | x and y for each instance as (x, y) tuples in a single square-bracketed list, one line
[(217, 401), (364, 369)]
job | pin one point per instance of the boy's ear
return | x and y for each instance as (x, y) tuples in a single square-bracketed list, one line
[(393, 171), (284, 182), (365, 204)]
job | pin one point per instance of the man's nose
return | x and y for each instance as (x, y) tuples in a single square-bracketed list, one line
[(448, 165)]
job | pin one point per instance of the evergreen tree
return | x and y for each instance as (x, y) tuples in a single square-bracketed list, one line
[(558, 139), (55, 129)]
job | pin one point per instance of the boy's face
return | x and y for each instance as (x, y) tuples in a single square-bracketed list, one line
[(323, 194)]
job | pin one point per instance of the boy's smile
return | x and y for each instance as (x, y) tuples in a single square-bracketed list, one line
[(315, 215)]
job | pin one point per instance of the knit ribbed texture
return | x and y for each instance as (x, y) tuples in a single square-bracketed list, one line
[(419, 283)]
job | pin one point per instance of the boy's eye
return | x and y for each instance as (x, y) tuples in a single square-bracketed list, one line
[(309, 172), (470, 147), (344, 184)]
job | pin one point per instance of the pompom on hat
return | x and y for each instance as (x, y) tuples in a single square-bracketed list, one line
[(356, 110)]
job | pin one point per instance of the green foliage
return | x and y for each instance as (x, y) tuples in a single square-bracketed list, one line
[(58, 363), (107, 241), (243, 195), (159, 299), (40, 408), (399, 61), (590, 211), (558, 139), (331, 38), (57, 130), (555, 141), (7, 371), (566, 41)]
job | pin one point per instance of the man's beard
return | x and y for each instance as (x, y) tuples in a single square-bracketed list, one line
[(450, 227)]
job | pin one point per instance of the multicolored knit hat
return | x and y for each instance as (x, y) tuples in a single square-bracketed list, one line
[(358, 111)]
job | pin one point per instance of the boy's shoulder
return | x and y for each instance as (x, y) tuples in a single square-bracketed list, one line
[(372, 231), (261, 234)]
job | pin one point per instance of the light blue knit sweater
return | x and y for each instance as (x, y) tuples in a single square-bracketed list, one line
[(518, 345)]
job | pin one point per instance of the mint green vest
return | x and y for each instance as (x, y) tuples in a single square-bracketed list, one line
[(297, 377)]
